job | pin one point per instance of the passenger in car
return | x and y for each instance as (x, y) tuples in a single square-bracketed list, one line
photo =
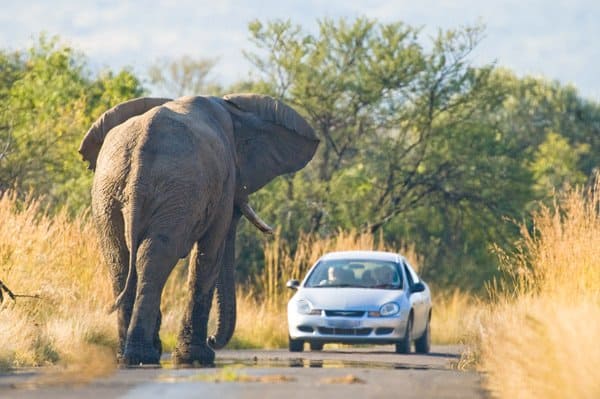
[(337, 275), (367, 278), (384, 275)]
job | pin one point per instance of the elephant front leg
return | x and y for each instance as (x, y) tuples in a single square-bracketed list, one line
[(192, 347)]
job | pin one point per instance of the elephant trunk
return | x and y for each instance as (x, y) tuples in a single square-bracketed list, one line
[(225, 287), (225, 290)]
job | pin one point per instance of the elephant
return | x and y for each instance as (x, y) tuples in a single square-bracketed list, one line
[(171, 179)]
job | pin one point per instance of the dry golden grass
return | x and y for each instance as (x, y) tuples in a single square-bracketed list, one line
[(539, 339), (455, 316), (55, 260)]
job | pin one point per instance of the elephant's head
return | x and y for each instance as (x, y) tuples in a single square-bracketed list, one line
[(271, 139)]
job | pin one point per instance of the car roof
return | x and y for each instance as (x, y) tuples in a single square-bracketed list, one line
[(363, 255)]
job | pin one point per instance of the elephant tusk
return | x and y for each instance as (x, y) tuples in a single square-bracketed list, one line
[(249, 213)]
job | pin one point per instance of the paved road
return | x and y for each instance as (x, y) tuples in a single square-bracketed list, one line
[(375, 372)]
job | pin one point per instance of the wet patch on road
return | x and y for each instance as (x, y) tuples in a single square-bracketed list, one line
[(226, 374), (317, 363)]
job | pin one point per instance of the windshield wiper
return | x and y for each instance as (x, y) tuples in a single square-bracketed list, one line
[(386, 286), (342, 285)]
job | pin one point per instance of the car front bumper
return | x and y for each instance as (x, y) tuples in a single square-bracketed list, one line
[(364, 329)]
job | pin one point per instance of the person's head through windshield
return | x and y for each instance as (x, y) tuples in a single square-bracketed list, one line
[(384, 275), (337, 275), (334, 274)]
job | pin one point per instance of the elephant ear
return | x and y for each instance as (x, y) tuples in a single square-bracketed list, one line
[(271, 139), (93, 139)]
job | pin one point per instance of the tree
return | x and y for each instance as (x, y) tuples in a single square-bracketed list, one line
[(407, 142), (184, 76), (48, 103), (554, 132), (554, 165)]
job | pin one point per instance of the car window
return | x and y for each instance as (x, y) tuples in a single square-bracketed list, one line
[(411, 275), (356, 273)]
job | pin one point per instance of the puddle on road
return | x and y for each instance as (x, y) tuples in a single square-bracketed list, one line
[(305, 363), (237, 371)]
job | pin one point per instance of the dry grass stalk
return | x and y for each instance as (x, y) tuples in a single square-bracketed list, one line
[(540, 339), (54, 259)]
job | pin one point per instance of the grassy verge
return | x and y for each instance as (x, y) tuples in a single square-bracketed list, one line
[(536, 337), (52, 265), (539, 337), (56, 263)]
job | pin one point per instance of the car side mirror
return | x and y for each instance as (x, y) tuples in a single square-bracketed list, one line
[(293, 284), (417, 287)]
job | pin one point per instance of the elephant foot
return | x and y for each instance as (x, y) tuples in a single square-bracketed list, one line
[(194, 355), (139, 357), (138, 353)]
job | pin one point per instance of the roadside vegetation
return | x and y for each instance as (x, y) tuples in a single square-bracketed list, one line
[(51, 264), (538, 336), (464, 169)]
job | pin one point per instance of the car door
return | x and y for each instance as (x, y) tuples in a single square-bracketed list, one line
[(417, 300)]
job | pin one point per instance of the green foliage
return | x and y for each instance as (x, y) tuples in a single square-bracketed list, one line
[(48, 102), (555, 164), (556, 133), (406, 141), (416, 143)]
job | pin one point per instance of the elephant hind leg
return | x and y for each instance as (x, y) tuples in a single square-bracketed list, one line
[(156, 259), (111, 228), (205, 263)]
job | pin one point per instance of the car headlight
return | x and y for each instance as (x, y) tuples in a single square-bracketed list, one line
[(305, 307), (389, 309)]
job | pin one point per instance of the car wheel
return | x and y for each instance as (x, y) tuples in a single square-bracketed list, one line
[(296, 345), (404, 345), (423, 343), (316, 346)]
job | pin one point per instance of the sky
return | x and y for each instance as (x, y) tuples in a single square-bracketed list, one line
[(556, 39)]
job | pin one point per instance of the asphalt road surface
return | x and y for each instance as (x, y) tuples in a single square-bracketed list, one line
[(349, 372)]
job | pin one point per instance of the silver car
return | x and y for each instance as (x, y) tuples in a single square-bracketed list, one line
[(359, 297)]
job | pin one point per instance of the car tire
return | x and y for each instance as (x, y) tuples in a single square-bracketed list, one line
[(316, 346), (423, 343), (295, 345), (403, 346)]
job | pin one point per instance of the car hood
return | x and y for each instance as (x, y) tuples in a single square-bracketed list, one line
[(348, 298)]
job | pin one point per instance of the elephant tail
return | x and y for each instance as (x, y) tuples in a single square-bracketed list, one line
[(133, 247)]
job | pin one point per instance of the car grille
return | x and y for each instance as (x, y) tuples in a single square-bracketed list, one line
[(345, 331), (344, 313)]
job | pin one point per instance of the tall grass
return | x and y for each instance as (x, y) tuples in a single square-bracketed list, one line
[(54, 262), (540, 337)]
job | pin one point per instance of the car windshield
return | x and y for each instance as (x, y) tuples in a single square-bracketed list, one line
[(355, 273)]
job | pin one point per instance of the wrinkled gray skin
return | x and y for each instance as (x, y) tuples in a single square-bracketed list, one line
[(172, 177)]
